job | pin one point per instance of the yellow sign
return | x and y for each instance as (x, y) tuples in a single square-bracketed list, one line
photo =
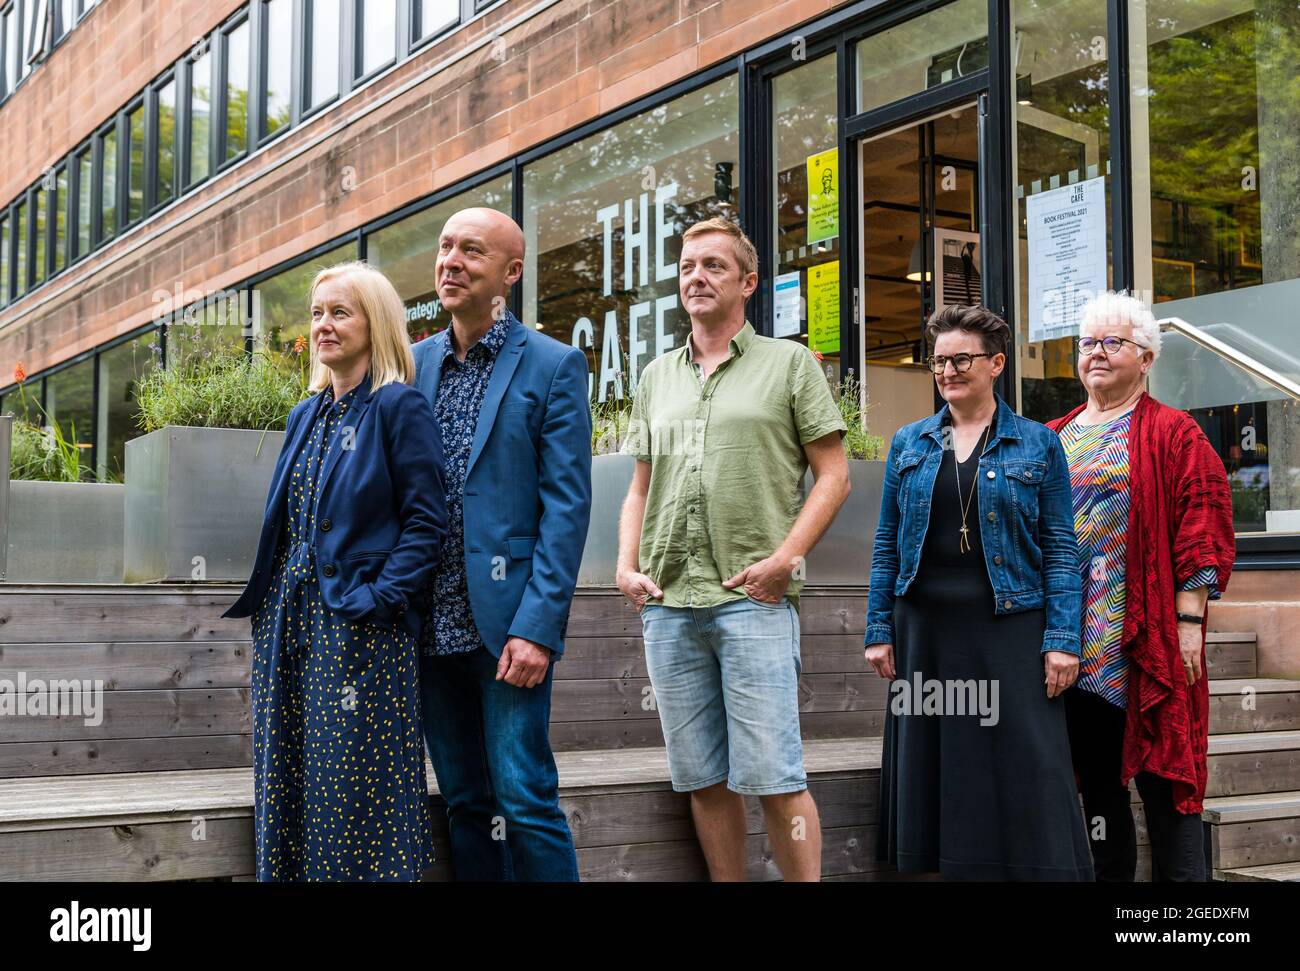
[(824, 307), (824, 196)]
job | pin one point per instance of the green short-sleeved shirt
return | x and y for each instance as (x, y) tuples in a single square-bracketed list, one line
[(726, 461)]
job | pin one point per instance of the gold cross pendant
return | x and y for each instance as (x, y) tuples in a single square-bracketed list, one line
[(965, 538)]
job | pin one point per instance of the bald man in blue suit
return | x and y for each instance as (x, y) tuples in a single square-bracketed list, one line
[(513, 411)]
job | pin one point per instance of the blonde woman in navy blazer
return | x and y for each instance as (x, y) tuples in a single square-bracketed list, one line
[(353, 525)]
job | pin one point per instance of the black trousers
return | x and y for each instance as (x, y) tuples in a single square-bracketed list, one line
[(1178, 841)]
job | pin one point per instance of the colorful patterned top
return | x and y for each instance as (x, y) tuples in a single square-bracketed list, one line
[(1099, 479)]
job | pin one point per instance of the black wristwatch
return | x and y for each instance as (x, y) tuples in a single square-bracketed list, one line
[(1190, 619)]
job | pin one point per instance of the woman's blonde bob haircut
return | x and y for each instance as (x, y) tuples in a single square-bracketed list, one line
[(391, 360)]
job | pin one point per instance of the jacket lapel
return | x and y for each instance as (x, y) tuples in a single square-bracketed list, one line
[(352, 419), (502, 371), (429, 370)]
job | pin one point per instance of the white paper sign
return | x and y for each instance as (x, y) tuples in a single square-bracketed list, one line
[(786, 302), (1067, 255)]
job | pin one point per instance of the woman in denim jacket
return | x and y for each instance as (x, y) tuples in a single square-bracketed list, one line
[(974, 617)]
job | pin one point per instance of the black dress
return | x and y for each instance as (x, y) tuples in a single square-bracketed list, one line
[(990, 794)]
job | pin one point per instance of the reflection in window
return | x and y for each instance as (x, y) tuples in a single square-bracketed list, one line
[(1216, 228), (377, 20), (120, 370), (281, 313), (237, 51), (434, 15), (278, 45), (85, 194), (59, 206), (323, 45), (40, 205), (69, 401), (67, 16), (4, 259), (165, 154), (603, 220), (135, 165), (200, 117), (922, 53), (108, 184), (20, 251), (1062, 138), (804, 116), (203, 329), (10, 42), (406, 252)]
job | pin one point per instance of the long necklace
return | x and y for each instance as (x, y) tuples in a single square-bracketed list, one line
[(964, 508)]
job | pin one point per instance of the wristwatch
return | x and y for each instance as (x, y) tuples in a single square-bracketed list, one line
[(1190, 619)]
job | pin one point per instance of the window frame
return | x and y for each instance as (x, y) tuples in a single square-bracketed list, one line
[(7, 249), (187, 182), (153, 136), (113, 127), (419, 37), (400, 27), (75, 188), (124, 163), (306, 108), (262, 64), (9, 9), (222, 90)]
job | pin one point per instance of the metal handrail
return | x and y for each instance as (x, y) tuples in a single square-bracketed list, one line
[(1250, 365)]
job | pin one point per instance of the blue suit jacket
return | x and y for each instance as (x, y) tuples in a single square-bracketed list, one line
[(527, 495), (380, 514)]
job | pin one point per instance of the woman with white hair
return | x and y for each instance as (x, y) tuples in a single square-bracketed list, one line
[(353, 525), (1153, 515)]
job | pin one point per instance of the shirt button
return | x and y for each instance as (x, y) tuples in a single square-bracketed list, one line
[(328, 569), (997, 559), (992, 474), (325, 525), (691, 509), (992, 517)]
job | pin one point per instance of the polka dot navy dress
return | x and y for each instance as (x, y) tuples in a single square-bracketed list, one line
[(338, 756)]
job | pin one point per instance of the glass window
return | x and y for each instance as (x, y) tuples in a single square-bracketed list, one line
[(237, 52), (5, 243), (67, 16), (200, 117), (434, 15), (1062, 139), (135, 164), (59, 204), (40, 210), (377, 20), (323, 48), (85, 191), (806, 136), (20, 251), (108, 184), (1216, 231), (603, 220), (407, 250), (278, 45), (11, 47), (69, 401), (924, 52), (165, 150), (120, 370), (217, 322), (281, 313)]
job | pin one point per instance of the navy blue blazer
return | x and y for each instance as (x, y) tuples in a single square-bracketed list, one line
[(381, 511), (527, 498)]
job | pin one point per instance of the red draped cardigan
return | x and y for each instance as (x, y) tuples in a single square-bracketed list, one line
[(1180, 521)]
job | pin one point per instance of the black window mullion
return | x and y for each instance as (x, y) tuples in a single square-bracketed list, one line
[(219, 108), (1121, 145), (256, 96), (999, 285)]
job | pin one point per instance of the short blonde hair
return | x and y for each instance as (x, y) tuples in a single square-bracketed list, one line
[(746, 254), (1125, 308), (391, 361)]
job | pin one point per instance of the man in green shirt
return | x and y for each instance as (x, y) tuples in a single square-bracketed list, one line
[(712, 540)]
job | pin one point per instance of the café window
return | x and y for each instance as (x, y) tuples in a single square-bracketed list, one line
[(69, 401), (603, 220), (281, 309), (406, 252), (1216, 228), (1062, 188), (209, 328), (944, 45), (120, 371)]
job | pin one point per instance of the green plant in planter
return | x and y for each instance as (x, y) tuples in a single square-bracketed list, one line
[(859, 443), (44, 454), (609, 425), (225, 387)]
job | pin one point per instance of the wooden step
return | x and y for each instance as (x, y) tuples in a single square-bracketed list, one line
[(1239, 705), (1248, 831), (1253, 762), (1270, 873), (627, 822), (1230, 654)]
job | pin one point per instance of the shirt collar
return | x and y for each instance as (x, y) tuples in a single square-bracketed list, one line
[(740, 343), (492, 341)]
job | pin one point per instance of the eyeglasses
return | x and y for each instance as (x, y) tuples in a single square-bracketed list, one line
[(962, 362), (1087, 346)]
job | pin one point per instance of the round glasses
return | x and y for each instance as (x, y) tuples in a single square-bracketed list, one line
[(1087, 346), (962, 362)]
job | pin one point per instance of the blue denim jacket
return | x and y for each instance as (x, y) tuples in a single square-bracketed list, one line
[(1026, 522)]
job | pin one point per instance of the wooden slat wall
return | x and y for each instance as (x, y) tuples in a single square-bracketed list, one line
[(176, 676)]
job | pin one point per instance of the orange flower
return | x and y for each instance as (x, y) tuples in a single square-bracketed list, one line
[(20, 374), (299, 344)]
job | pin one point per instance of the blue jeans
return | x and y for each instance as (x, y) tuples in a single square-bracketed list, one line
[(491, 752), (726, 685)]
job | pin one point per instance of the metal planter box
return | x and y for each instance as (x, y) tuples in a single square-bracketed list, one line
[(194, 503), (842, 558), (64, 532)]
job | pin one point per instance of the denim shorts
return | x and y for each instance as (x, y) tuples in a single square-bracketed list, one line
[(726, 685)]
